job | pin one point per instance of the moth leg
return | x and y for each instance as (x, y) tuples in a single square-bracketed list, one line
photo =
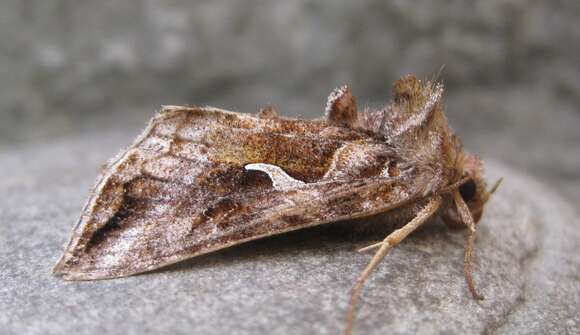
[(467, 218), (387, 244), (369, 247)]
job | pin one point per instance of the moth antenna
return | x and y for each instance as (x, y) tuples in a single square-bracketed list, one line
[(489, 194), (494, 188), (436, 76), (387, 244), (496, 185), (467, 219)]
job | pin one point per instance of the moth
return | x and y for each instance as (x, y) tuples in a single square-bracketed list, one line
[(202, 179)]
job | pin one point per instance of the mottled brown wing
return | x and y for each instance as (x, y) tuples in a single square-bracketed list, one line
[(181, 190)]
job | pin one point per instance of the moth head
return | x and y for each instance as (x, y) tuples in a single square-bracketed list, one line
[(473, 191)]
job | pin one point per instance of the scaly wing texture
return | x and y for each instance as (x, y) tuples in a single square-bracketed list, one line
[(181, 189)]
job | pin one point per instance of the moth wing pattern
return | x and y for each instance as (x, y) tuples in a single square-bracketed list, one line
[(182, 189)]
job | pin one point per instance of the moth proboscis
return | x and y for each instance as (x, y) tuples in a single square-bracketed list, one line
[(202, 179)]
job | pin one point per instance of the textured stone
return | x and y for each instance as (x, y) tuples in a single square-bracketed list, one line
[(526, 264)]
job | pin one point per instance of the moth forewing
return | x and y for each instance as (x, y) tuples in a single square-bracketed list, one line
[(190, 185)]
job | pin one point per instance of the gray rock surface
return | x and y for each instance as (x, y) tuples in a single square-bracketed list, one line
[(527, 265)]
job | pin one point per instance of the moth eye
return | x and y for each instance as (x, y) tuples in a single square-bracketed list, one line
[(468, 190)]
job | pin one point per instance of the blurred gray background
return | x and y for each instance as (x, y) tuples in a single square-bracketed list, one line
[(512, 68), (79, 80)]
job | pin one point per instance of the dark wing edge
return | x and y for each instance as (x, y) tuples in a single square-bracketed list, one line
[(60, 266)]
